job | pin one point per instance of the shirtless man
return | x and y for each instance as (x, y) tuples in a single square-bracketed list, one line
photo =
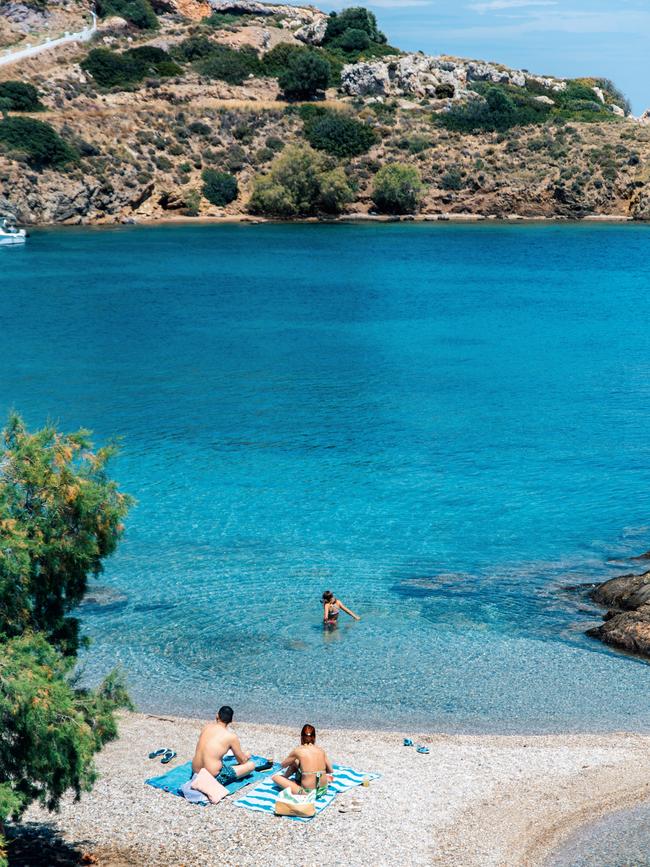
[(308, 765), (214, 742)]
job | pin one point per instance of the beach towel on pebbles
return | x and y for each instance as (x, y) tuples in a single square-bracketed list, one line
[(263, 797), (173, 780)]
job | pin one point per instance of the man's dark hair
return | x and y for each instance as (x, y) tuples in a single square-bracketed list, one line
[(226, 714)]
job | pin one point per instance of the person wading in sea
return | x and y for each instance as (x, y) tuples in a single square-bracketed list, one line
[(331, 608)]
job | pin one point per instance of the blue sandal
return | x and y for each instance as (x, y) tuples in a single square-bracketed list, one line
[(423, 750), (156, 753), (408, 742), (168, 756)]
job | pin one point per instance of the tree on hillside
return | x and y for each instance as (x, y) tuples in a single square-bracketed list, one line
[(397, 189), (220, 188), (353, 18), (21, 95), (300, 183), (60, 517), (306, 76)]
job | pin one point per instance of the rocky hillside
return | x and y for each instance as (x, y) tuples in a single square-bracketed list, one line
[(208, 108)]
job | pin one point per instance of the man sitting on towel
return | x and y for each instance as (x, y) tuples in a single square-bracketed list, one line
[(215, 741)]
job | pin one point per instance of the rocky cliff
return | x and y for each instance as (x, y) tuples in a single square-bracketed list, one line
[(144, 147)]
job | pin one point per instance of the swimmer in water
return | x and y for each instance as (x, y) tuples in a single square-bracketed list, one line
[(331, 608)]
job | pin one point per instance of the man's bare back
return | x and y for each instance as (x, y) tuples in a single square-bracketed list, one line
[(214, 742)]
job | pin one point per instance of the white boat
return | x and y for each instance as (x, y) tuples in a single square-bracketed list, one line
[(9, 234)]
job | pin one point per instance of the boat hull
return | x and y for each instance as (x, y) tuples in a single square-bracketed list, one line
[(11, 240)]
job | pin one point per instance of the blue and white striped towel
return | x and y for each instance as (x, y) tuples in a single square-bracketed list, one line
[(263, 797)]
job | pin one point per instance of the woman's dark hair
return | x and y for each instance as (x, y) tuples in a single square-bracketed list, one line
[(328, 596), (308, 734)]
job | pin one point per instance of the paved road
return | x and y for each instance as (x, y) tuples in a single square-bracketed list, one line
[(31, 51)]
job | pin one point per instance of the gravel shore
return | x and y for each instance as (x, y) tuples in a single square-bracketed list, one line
[(475, 800)]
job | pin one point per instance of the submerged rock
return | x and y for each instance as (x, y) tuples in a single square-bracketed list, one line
[(627, 622)]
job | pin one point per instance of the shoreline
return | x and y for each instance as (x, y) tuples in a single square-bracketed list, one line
[(352, 219), (476, 800)]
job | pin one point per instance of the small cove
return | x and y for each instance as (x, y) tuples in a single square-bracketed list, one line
[(445, 424)]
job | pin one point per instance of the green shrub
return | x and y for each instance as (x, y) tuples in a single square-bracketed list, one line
[(21, 96), (226, 19), (452, 180), (354, 18), (306, 76), (300, 184), (500, 109), (445, 91), (274, 143), (339, 134), (154, 61), (110, 69), (197, 127), (576, 90), (264, 155), (192, 203), (230, 65), (41, 145), (335, 191), (235, 158), (275, 61), (397, 189), (138, 12), (219, 188), (353, 40), (193, 48)]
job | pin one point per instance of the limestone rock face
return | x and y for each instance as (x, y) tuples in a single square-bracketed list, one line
[(627, 622), (365, 79), (494, 74), (312, 33), (23, 16), (645, 117), (242, 7), (112, 24), (421, 76)]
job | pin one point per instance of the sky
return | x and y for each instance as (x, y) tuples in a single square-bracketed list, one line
[(603, 38)]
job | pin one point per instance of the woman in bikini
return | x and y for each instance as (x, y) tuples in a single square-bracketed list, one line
[(331, 608), (308, 765)]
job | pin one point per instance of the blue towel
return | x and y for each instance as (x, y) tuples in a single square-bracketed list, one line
[(263, 797), (173, 780)]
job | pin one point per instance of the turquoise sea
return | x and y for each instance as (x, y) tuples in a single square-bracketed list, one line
[(445, 424)]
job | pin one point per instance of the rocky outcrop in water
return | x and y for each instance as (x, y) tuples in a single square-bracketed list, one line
[(627, 622)]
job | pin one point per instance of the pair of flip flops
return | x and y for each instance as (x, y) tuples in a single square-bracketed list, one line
[(419, 749), (352, 806), (166, 753)]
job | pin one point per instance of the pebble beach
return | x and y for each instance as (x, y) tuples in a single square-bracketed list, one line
[(474, 800)]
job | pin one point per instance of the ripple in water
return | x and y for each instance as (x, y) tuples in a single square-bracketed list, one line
[(444, 424)]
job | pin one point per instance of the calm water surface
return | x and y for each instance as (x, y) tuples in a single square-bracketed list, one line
[(621, 839), (443, 424)]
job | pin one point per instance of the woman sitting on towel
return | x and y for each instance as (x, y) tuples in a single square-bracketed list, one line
[(308, 765), (331, 608)]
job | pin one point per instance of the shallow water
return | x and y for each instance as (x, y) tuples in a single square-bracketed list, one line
[(621, 839), (444, 424)]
